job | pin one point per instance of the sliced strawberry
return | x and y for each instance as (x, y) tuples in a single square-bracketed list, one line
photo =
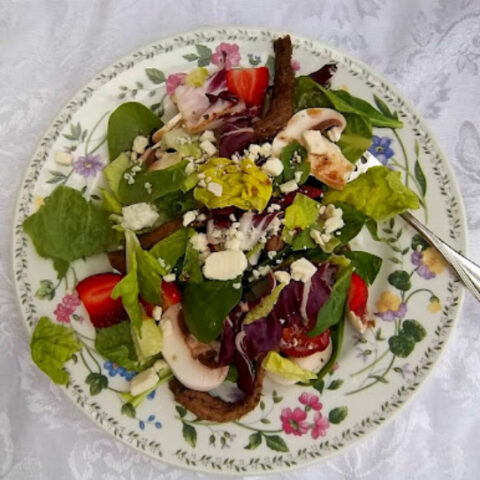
[(296, 343), (358, 295), (95, 293), (249, 84), (147, 307), (171, 294)]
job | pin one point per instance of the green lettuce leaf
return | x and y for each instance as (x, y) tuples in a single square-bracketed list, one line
[(67, 228), (309, 94), (192, 266), (378, 193), (51, 346), (115, 343), (301, 213), (128, 288), (110, 202), (115, 170), (205, 306), (148, 340), (127, 122), (366, 264), (356, 138), (149, 276), (162, 182), (290, 167), (333, 309), (265, 306), (244, 185), (174, 205), (172, 248), (284, 367)]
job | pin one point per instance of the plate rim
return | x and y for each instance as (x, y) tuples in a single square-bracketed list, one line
[(66, 111)]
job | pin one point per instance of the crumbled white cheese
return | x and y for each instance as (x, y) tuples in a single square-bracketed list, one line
[(143, 381), (215, 188), (302, 270), (171, 277), (140, 144), (232, 217), (148, 187), (289, 186), (237, 285), (199, 242), (208, 147), (138, 216), (232, 244), (63, 158), (161, 261), (274, 207), (273, 167), (334, 134), (190, 168), (208, 136), (157, 313), (266, 150), (282, 276), (189, 217), (271, 254), (225, 265), (298, 176), (134, 156), (201, 218)]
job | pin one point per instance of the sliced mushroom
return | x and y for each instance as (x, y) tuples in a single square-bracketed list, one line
[(190, 371), (170, 125), (327, 162), (166, 160)]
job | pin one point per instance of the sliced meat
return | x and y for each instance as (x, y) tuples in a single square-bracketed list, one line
[(147, 240), (281, 108), (214, 409), (275, 244)]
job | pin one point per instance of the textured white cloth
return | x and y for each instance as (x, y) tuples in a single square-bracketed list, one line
[(49, 49)]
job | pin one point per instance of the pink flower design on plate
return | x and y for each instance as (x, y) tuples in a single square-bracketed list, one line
[(63, 312), (227, 55), (71, 300), (310, 400), (173, 81), (294, 421), (295, 65), (320, 426)]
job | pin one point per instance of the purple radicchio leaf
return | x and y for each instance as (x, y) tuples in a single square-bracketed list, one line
[(324, 74)]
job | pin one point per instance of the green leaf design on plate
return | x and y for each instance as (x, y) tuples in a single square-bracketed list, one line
[(189, 434), (400, 279), (337, 415), (335, 384), (181, 410), (401, 345), (129, 410), (191, 57), (204, 55), (155, 75), (420, 177), (254, 440), (97, 382), (46, 290), (274, 442), (414, 329)]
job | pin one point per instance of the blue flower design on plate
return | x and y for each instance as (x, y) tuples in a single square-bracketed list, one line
[(113, 369), (150, 420), (380, 147)]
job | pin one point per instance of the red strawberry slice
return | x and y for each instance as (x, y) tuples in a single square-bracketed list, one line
[(171, 294), (357, 304), (95, 293), (249, 84)]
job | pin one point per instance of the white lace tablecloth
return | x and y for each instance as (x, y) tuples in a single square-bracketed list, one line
[(48, 49)]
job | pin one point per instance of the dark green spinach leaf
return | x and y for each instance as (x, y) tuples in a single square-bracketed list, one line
[(333, 309), (127, 122), (366, 264), (205, 306)]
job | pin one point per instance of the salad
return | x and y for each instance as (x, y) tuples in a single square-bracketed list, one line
[(227, 229)]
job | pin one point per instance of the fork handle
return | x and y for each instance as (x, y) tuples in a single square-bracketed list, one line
[(467, 271)]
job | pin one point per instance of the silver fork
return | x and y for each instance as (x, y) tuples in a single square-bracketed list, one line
[(467, 271)]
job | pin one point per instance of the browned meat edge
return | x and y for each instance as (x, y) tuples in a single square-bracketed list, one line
[(147, 240), (214, 409), (281, 108)]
